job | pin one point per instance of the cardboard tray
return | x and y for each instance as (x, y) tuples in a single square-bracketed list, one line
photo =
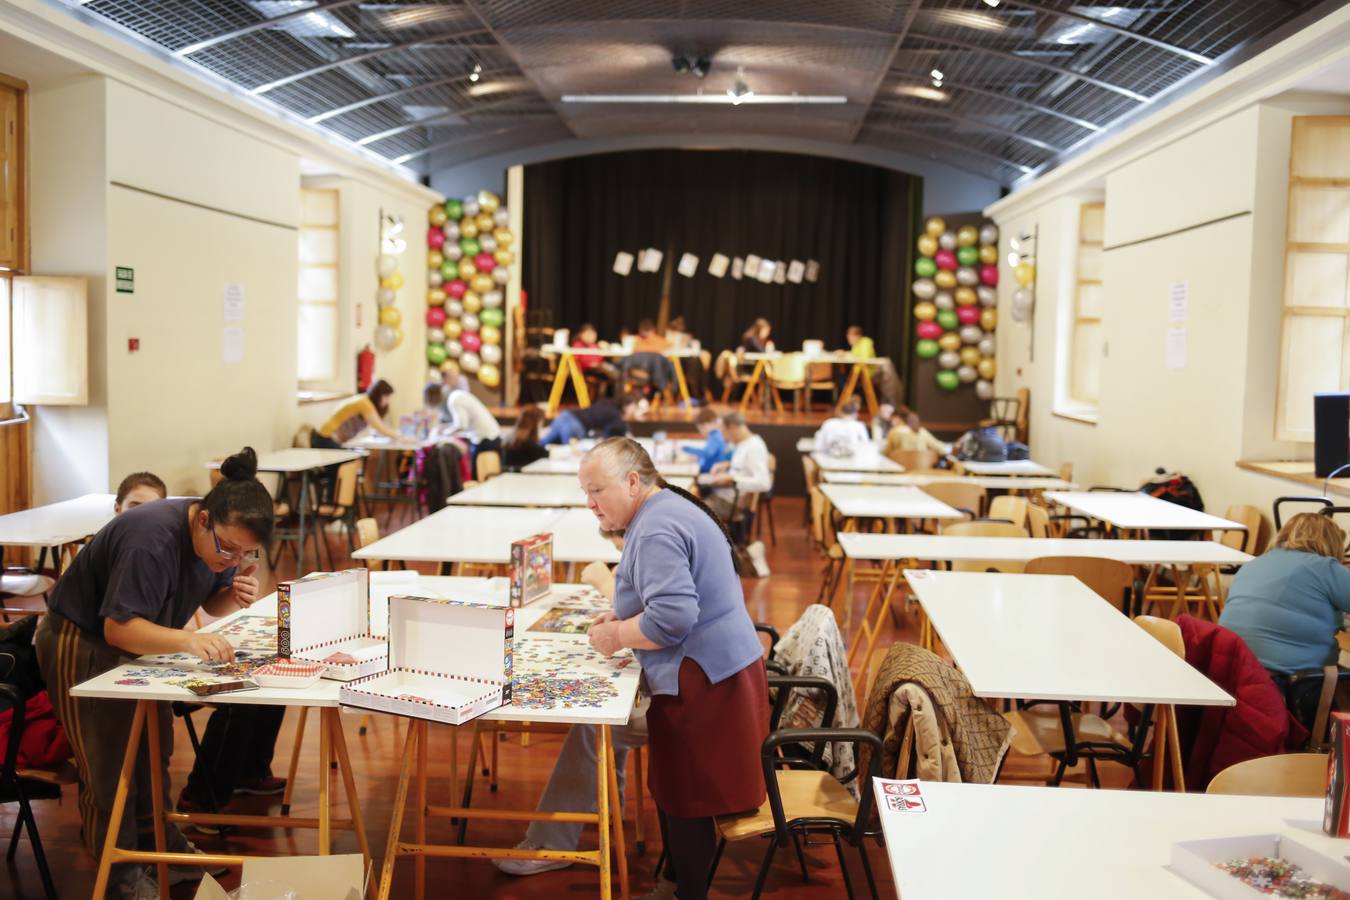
[(326, 613), (1198, 862)]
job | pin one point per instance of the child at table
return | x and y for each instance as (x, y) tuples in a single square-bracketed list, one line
[(521, 447), (715, 448), (586, 339), (138, 489)]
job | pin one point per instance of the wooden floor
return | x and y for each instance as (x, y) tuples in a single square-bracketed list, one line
[(778, 600)]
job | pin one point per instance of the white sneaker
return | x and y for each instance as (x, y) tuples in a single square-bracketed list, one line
[(182, 874), (529, 866), (756, 553), (145, 887)]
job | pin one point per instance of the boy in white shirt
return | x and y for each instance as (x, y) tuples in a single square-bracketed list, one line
[(746, 474), (844, 433)]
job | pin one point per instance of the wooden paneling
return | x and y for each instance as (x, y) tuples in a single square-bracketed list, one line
[(13, 176)]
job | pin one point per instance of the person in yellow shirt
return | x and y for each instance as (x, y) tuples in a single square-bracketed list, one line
[(909, 434), (859, 344), (366, 411)]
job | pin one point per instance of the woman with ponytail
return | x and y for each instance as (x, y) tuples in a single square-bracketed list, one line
[(130, 592), (678, 604)]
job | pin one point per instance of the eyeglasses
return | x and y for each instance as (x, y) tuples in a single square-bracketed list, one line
[(235, 555)]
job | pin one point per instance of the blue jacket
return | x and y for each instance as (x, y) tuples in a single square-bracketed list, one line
[(715, 450), (1287, 605)]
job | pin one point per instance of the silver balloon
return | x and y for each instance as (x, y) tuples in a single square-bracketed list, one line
[(469, 361), (470, 322), (385, 297), (451, 230), (1021, 299), (487, 243), (434, 278), (967, 374), (492, 300), (988, 346), (502, 217), (949, 359), (453, 251), (943, 300), (989, 234), (1019, 314), (435, 336), (470, 206), (924, 289), (967, 276), (491, 354), (501, 275), (453, 309), (433, 374), (386, 338), (948, 240), (988, 296), (386, 265), (453, 349), (971, 334), (984, 389)]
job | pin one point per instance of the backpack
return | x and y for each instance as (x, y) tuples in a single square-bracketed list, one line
[(440, 470), (1174, 488), (982, 445), (18, 658)]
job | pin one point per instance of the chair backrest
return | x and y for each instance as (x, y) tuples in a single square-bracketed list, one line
[(1165, 631), (488, 465), (790, 367), (367, 532), (1014, 509), (348, 475), (811, 471), (985, 529), (1111, 579), (821, 372), (725, 367), (1284, 775), (969, 497), (1257, 536), (302, 436), (1038, 521), (1066, 471), (822, 526), (914, 459)]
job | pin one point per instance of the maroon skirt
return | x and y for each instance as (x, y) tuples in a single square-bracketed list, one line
[(705, 743)]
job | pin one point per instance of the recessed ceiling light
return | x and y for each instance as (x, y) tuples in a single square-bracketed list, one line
[(923, 92), (991, 2), (750, 97), (740, 91), (477, 72)]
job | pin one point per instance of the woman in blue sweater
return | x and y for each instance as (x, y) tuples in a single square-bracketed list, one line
[(1287, 603), (678, 604)]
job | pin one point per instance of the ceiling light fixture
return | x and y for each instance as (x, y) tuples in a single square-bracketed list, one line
[(740, 91), (923, 92), (477, 73), (937, 77), (993, 3), (750, 98), (964, 18)]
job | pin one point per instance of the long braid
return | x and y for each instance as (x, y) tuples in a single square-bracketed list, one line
[(721, 525)]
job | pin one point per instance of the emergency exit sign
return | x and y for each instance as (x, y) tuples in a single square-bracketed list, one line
[(126, 280)]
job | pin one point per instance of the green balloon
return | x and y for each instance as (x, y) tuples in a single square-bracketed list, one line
[(924, 267), (470, 246), (947, 319), (948, 380), (436, 354), (927, 349), (492, 317), (454, 209), (449, 270), (967, 256)]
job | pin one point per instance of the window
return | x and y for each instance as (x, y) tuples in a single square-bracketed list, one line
[(319, 314), (1085, 341), (1315, 343)]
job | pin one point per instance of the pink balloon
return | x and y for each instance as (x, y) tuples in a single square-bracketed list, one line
[(470, 341), (945, 259), (435, 238), (968, 315), (436, 316), (930, 331), (484, 262), (456, 289), (989, 275)]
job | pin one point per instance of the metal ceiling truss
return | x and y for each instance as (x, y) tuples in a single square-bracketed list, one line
[(360, 58), (262, 25)]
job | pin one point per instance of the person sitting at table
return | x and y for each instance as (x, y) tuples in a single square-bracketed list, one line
[(676, 333), (729, 485), (882, 423), (715, 448), (586, 338), (756, 338), (1287, 604), (521, 447), (130, 592), (604, 417), (908, 434), (859, 344), (453, 377), (648, 356), (138, 489), (843, 433), (468, 417)]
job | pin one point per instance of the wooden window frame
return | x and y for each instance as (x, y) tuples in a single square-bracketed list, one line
[(323, 384)]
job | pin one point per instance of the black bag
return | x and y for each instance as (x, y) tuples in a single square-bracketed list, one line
[(1018, 450), (440, 472), (1174, 488), (18, 657), (982, 445)]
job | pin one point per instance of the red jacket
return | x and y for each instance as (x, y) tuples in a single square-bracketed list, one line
[(43, 744), (1215, 737)]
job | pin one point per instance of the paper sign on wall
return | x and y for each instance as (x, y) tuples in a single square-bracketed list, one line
[(765, 272), (1178, 301), (234, 344), (717, 266), (796, 269), (234, 303), (737, 268), (1176, 348), (812, 270), (780, 273), (650, 260), (623, 262), (688, 266), (752, 266)]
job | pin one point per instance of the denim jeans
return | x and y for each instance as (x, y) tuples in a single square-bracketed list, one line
[(564, 429)]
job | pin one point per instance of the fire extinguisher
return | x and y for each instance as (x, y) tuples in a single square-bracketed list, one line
[(365, 368)]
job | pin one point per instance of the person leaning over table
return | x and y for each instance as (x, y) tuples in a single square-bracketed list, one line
[(130, 592), (678, 604), (909, 434), (603, 417)]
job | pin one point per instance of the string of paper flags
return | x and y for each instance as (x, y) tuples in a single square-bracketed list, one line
[(752, 267)]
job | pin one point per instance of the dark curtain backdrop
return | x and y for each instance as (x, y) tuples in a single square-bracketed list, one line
[(857, 220)]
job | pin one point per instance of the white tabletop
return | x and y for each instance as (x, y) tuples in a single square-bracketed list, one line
[(374, 441), (1109, 845), (1003, 549), (518, 489), (1050, 637), (57, 523), (484, 534), (299, 459), (617, 352), (988, 482), (842, 357), (1018, 467), (570, 465), (1135, 510), (866, 458), (869, 501)]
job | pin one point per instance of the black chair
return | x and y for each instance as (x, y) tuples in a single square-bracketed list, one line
[(22, 786), (1310, 697), (1322, 503)]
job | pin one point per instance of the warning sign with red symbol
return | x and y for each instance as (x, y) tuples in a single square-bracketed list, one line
[(902, 796)]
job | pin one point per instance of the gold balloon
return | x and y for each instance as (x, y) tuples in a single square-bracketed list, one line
[(935, 226), (989, 255), (925, 312), (435, 297), (950, 341), (450, 365), (945, 279), (490, 334), (503, 236), (468, 228), (989, 319), (485, 223), (489, 375), (1025, 273), (467, 268), (928, 245), (453, 329), (482, 283), (965, 296), (503, 257), (472, 302), (488, 201), (437, 216), (391, 316), (987, 369), (434, 259), (970, 356), (967, 235)]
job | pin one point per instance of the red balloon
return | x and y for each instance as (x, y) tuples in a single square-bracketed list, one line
[(484, 262), (989, 275), (436, 316), (435, 238), (470, 341), (945, 259), (931, 331), (456, 289), (968, 315)]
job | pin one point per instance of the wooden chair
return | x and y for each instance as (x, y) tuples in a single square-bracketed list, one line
[(914, 460), (764, 505), (985, 529), (824, 537), (343, 507), (788, 373), (1066, 471), (727, 369), (22, 786), (965, 497), (487, 465), (1111, 579), (811, 476), (1284, 775), (1038, 521), (820, 377), (1256, 538), (1014, 509)]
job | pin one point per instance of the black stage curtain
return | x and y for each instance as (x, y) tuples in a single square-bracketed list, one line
[(857, 220)]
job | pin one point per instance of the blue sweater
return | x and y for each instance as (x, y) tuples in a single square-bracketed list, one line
[(676, 570), (1287, 606), (715, 450)]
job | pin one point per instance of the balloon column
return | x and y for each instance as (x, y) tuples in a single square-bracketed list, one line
[(955, 303), (469, 252), (388, 334)]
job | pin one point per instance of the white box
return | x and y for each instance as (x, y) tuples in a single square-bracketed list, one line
[(449, 661), (326, 613), (1197, 862)]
